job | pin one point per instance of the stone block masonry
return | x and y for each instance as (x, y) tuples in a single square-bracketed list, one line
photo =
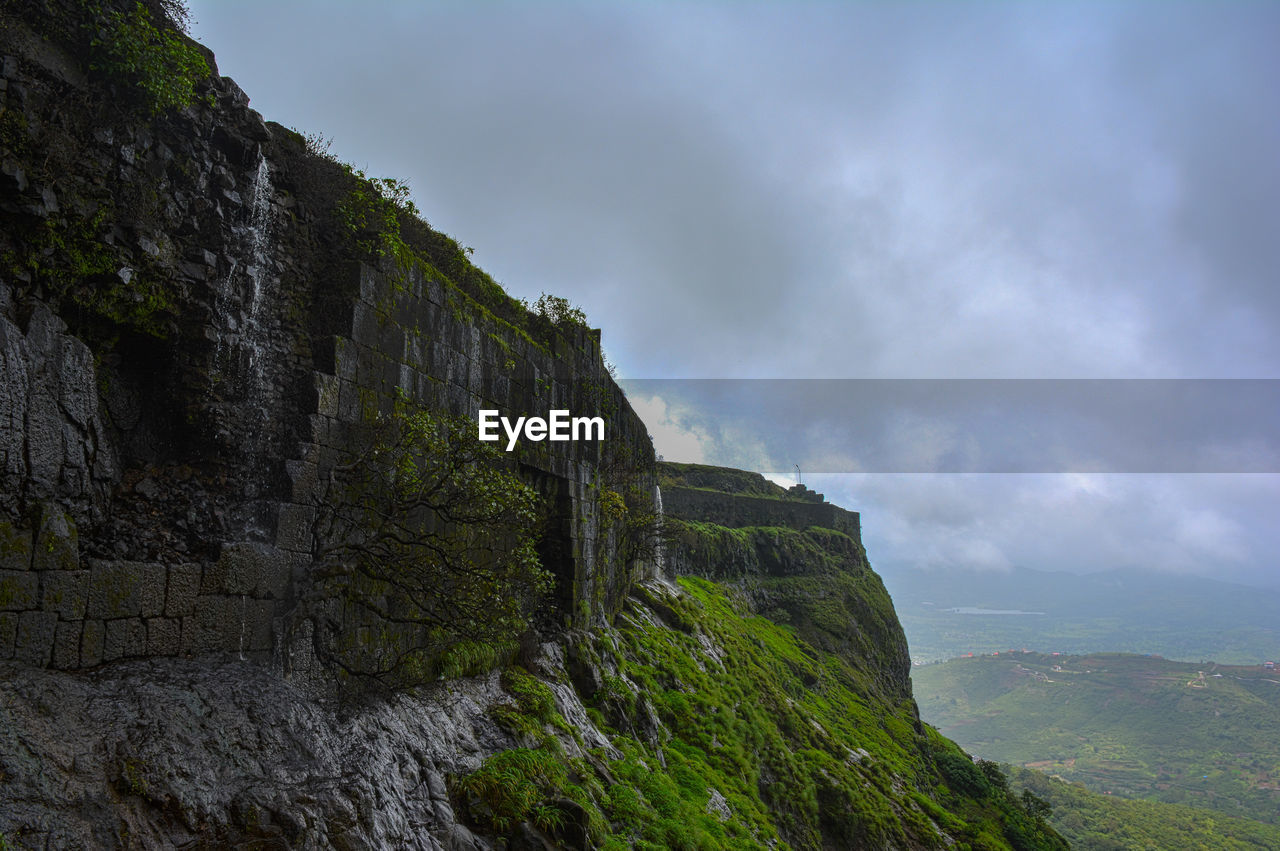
[(412, 336), (67, 613)]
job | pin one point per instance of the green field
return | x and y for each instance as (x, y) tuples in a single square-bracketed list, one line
[(1134, 726), (1109, 823)]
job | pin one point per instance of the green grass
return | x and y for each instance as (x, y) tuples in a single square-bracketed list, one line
[(699, 695), (775, 684), (1108, 823), (722, 479), (1133, 726)]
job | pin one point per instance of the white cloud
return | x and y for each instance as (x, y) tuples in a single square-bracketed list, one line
[(673, 438), (1204, 524)]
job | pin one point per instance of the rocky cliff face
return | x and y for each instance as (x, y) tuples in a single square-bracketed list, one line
[(201, 321), (194, 332), (798, 559)]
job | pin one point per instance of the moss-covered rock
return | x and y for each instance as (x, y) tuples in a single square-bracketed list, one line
[(57, 545), (15, 547), (817, 580)]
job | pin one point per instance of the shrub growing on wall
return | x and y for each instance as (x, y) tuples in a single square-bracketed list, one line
[(163, 65), (427, 550)]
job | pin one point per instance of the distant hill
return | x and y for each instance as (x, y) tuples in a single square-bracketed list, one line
[(1179, 617), (1107, 823), (1135, 726)]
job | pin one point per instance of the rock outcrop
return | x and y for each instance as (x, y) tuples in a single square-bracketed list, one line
[(799, 562)]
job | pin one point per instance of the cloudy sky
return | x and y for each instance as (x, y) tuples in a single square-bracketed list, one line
[(849, 190)]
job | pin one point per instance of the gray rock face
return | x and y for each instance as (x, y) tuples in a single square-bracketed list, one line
[(52, 442), (154, 754), (190, 342), (15, 386)]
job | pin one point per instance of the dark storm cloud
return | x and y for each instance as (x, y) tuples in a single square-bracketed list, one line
[(804, 190), (880, 190)]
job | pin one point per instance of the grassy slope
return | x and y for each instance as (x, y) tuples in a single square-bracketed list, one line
[(1130, 725), (724, 479), (1107, 823), (704, 701)]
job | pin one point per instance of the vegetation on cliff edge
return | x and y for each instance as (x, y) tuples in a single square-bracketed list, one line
[(730, 731)]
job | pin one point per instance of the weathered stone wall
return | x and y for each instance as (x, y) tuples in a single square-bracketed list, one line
[(415, 337), (739, 510), (52, 439), (59, 611), (136, 458), (188, 343)]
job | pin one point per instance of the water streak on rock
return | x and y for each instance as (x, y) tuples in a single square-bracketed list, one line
[(243, 297), (658, 561)]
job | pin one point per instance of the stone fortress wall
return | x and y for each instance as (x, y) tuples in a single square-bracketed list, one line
[(161, 466)]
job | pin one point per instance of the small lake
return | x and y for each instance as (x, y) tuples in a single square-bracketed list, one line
[(970, 610)]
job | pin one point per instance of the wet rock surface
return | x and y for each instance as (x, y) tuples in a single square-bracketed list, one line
[(173, 753)]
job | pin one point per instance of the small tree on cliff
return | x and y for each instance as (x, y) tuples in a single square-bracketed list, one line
[(628, 510), (426, 546)]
